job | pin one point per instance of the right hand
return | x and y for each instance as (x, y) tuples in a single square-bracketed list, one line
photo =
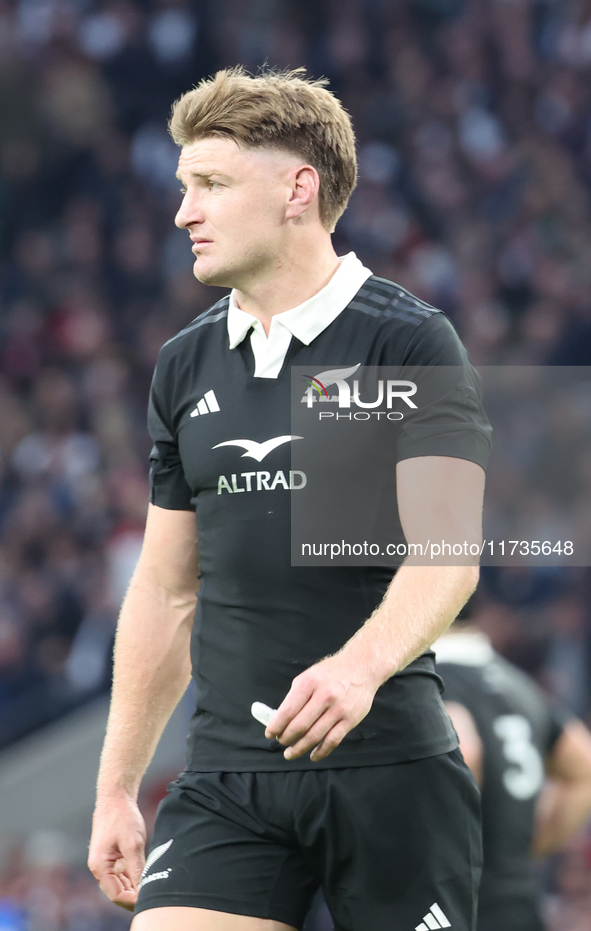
[(117, 849)]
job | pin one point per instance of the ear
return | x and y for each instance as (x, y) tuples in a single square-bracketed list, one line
[(305, 185)]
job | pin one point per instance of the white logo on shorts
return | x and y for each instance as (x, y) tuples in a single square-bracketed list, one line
[(155, 855), (434, 918), (163, 874)]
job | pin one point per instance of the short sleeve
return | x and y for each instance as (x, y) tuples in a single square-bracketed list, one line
[(450, 420), (168, 486), (558, 717)]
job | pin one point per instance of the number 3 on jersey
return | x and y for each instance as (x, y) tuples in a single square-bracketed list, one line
[(524, 778)]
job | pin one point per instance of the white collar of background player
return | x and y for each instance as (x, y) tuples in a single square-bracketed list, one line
[(467, 649), (305, 322)]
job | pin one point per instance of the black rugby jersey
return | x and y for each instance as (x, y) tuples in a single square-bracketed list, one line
[(518, 725), (260, 621)]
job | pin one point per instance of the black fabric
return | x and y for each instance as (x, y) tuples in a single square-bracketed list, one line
[(261, 621), (385, 843), (514, 913), (513, 774)]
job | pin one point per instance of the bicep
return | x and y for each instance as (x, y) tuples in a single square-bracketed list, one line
[(570, 759), (170, 552), (440, 498)]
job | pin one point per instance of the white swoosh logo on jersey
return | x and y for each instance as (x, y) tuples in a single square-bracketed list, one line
[(155, 855), (258, 451)]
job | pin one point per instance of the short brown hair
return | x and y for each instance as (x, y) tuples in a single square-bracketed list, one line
[(281, 109)]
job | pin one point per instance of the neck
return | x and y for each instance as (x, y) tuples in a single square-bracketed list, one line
[(297, 276)]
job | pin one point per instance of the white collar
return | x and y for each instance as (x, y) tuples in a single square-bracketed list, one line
[(471, 648), (307, 320)]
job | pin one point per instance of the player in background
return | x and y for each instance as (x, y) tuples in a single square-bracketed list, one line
[(532, 760)]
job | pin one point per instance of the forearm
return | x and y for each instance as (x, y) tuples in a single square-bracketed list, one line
[(327, 700), (438, 498), (151, 672), (565, 803), (421, 602), (562, 810)]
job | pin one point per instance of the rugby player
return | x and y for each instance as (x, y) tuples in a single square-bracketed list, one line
[(514, 737), (356, 783)]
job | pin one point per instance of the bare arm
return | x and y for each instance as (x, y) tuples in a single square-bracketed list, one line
[(565, 803), (470, 740), (438, 498), (152, 670)]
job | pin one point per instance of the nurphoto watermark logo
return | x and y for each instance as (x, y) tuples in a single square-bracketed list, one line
[(527, 427), (387, 392)]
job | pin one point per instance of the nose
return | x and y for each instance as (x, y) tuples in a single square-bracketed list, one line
[(189, 213)]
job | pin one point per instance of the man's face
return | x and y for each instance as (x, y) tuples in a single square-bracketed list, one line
[(234, 207)]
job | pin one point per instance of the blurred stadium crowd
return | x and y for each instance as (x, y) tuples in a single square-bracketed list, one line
[(473, 120)]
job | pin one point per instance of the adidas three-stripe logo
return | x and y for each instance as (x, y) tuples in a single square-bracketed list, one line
[(433, 919), (207, 405)]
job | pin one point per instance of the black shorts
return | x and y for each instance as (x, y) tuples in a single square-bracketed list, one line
[(513, 913), (393, 847)]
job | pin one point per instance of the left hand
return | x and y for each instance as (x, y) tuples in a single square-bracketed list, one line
[(324, 703)]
